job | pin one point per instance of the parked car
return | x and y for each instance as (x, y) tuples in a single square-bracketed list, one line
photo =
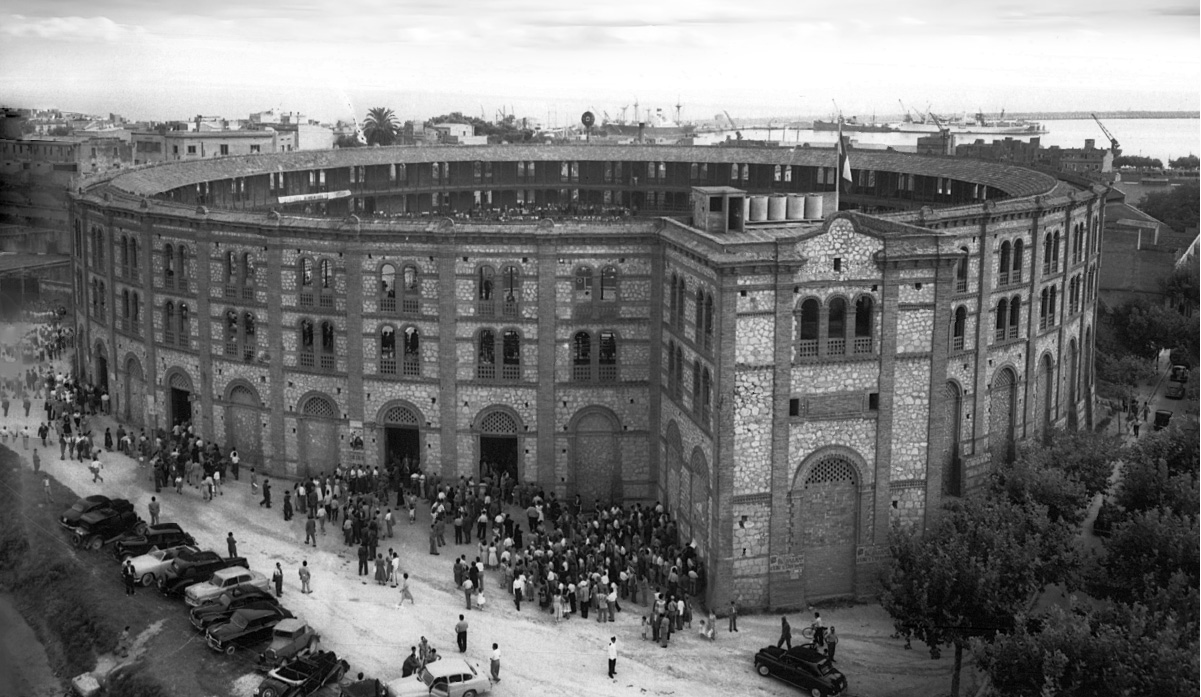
[(153, 537), (224, 581), (189, 569), (448, 677), (245, 628), (1174, 390), (228, 602), (1103, 523), (100, 526), (207, 615), (1163, 417), (150, 567), (304, 676), (70, 517), (801, 666), (1179, 373), (292, 638)]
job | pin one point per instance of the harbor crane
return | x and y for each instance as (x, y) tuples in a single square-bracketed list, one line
[(733, 125), (1114, 146), (679, 106), (905, 112)]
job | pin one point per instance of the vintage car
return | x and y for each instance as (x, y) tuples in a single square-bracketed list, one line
[(1179, 373), (150, 567), (192, 568), (245, 628), (101, 526), (304, 676), (70, 517), (1163, 417), (449, 677), (1174, 390), (210, 615), (228, 602), (292, 637), (227, 580), (153, 537), (801, 666)]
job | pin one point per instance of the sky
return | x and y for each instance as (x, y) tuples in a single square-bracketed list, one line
[(551, 59)]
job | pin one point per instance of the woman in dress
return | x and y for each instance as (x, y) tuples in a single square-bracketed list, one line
[(380, 575)]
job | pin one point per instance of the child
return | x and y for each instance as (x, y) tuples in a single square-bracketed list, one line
[(412, 508), (254, 481), (644, 626)]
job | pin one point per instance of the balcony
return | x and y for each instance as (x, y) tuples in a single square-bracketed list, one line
[(485, 371), (807, 348), (1002, 278), (231, 348), (168, 337), (412, 367), (411, 305), (387, 366), (185, 340), (836, 347), (961, 285), (485, 308), (707, 341), (509, 308), (999, 334), (248, 293), (248, 353), (957, 343), (135, 326), (863, 345), (231, 292), (606, 373), (328, 362), (581, 372), (387, 304), (326, 301), (307, 359), (1013, 331), (125, 324), (306, 300)]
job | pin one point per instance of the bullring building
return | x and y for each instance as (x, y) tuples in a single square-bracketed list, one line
[(786, 377)]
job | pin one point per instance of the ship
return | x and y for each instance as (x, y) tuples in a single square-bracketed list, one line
[(979, 124), (853, 125)]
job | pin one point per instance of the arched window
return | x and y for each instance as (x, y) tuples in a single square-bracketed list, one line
[(671, 368), (959, 328), (961, 271), (133, 256), (387, 350), (307, 344), (412, 352), (169, 323), (581, 358), (95, 297), (103, 301), (696, 389), (135, 312), (124, 255), (249, 336), (673, 299), (248, 273), (125, 316), (1051, 314), (606, 357), (1048, 244), (708, 342), (328, 358), (1055, 251), (863, 325), (836, 327), (306, 273), (327, 276), (231, 268), (99, 248), (387, 288), (511, 290), (679, 380), (706, 392), (1005, 264), (682, 308), (181, 267), (485, 356), (231, 333), (608, 284), (1015, 272), (700, 313), (583, 283), (510, 355), (1015, 316), (169, 266), (1002, 321), (810, 318), (485, 290)]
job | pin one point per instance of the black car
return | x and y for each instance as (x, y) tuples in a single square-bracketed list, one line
[(154, 537), (209, 614), (801, 666), (70, 517), (303, 676), (189, 569), (245, 628), (1163, 417), (101, 526)]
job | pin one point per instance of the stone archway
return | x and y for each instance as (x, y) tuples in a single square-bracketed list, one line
[(317, 436), (1045, 410), (179, 397), (1001, 415), (403, 436), (949, 440), (135, 392), (701, 499), (595, 465), (825, 522), (499, 445), (100, 379), (244, 424), (1073, 384), (673, 465)]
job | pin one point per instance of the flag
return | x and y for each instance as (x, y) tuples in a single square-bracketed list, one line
[(844, 162)]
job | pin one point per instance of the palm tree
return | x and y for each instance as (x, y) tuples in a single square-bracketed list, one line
[(380, 127)]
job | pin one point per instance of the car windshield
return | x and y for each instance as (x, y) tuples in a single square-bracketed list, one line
[(158, 553), (239, 621), (426, 677), (825, 668), (80, 505)]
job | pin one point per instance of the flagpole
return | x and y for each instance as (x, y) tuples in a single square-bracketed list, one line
[(838, 167)]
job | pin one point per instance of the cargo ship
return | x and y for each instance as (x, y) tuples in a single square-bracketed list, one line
[(853, 125), (977, 125)]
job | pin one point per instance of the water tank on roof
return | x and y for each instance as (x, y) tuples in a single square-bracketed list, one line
[(796, 207), (813, 208), (758, 209), (777, 206)]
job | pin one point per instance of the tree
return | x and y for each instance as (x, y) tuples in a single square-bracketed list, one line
[(1082, 456), (1148, 550), (1137, 161), (1144, 329), (1186, 162), (380, 126), (1183, 287), (1160, 472), (972, 572), (1178, 209), (345, 141)]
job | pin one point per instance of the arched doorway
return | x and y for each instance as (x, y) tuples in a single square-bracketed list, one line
[(952, 465), (595, 473), (1002, 399), (318, 436), (825, 514), (1046, 394), (1073, 384), (179, 398), (402, 435), (699, 492), (498, 444), (244, 424), (672, 466), (100, 379), (135, 392)]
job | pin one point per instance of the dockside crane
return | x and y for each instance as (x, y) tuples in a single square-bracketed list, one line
[(737, 133), (1114, 146), (904, 112)]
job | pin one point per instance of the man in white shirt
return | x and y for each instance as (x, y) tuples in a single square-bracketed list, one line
[(495, 663), (612, 657)]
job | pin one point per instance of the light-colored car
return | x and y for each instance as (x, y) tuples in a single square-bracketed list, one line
[(292, 637), (448, 677), (149, 568), (225, 581)]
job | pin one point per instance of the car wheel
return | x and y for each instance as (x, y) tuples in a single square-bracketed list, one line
[(140, 528), (147, 580), (763, 669), (77, 540), (817, 693), (230, 650), (340, 672), (269, 691), (95, 543), (469, 693)]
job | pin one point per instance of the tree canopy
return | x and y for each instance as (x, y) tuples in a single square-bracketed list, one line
[(1178, 208), (1137, 161), (380, 127), (1186, 162)]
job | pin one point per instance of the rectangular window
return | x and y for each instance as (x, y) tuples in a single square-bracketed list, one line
[(224, 149), (794, 407), (256, 148), (191, 149)]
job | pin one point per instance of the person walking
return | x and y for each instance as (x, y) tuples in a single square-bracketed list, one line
[(433, 540), (37, 461), (733, 617), (310, 530), (277, 577), (46, 489), (785, 633), (266, 493), (612, 657), (819, 632), (127, 573), (364, 557), (831, 643), (467, 586), (232, 545), (495, 663), (95, 469), (154, 510), (405, 592), (305, 576), (518, 591), (461, 634)]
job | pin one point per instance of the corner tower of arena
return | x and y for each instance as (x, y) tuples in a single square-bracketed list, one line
[(697, 326)]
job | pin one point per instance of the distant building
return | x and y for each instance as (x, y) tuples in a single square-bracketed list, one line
[(195, 145), (458, 134), (1089, 160), (1140, 252), (35, 174)]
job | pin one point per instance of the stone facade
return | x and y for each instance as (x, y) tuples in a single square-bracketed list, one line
[(787, 391)]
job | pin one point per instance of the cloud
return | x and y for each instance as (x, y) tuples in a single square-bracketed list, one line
[(63, 28), (1179, 11)]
